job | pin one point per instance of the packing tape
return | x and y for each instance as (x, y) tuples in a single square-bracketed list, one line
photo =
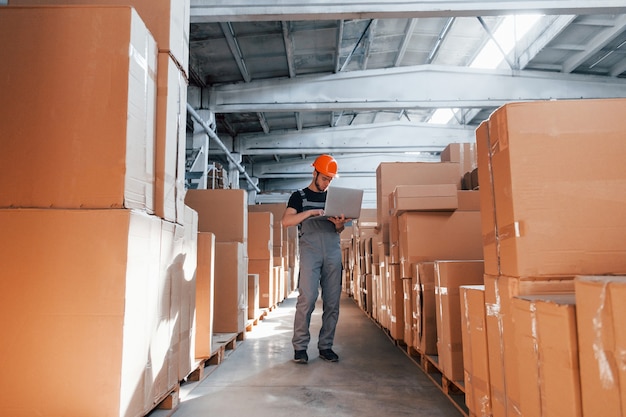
[(513, 230)]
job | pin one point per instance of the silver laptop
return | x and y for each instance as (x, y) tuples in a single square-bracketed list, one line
[(346, 201)]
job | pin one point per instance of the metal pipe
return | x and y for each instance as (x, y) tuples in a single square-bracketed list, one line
[(221, 145)]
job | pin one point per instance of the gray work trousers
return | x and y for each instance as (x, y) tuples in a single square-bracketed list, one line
[(320, 266)]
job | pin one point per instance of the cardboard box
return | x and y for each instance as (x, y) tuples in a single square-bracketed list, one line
[(383, 295), (430, 236), (394, 239), (205, 293), (425, 308), (407, 292), (391, 174), (462, 153), (559, 218), (600, 312), (166, 340), (92, 290), (449, 276), (396, 304), (167, 20), (475, 350), (231, 287), (277, 210), (547, 345), (468, 200), (253, 297), (503, 359), (92, 145), (491, 252), (277, 275), (171, 118), (264, 268), (440, 197), (222, 212), (260, 241), (188, 293)]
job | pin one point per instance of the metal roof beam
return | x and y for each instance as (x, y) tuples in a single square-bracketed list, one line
[(440, 39), (352, 165), (595, 45), (376, 137), (233, 45), (288, 41), (252, 10), (419, 87), (408, 33), (550, 31)]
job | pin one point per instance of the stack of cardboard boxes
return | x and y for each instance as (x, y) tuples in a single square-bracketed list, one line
[(260, 258), (224, 212), (429, 219), (425, 243), (277, 268), (552, 203), (363, 238), (99, 247)]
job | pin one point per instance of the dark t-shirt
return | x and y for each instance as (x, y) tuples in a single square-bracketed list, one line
[(295, 200)]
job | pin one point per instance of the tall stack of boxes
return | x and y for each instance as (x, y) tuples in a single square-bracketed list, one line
[(423, 217), (552, 203), (224, 213), (260, 255), (364, 238), (270, 264), (108, 271)]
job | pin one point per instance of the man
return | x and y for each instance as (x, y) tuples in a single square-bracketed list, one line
[(320, 260)]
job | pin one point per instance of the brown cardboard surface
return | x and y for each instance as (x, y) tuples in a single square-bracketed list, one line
[(449, 276), (205, 293), (253, 297), (565, 218), (83, 284), (81, 152), (468, 200), (430, 236), (396, 304), (409, 331), (475, 350), (391, 174), (503, 360), (264, 268), (231, 287), (547, 345), (426, 310), (462, 153), (491, 253), (495, 344), (600, 312), (167, 20), (221, 211), (171, 113), (260, 235), (432, 197)]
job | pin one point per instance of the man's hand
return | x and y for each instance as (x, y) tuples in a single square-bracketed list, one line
[(339, 222)]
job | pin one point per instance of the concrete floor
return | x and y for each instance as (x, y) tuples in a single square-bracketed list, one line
[(372, 378)]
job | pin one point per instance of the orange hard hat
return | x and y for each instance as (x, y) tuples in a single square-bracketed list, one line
[(325, 165)]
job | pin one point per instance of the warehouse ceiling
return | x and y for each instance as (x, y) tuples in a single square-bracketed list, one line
[(281, 82)]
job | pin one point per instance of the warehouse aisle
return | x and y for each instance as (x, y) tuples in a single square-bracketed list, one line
[(372, 378)]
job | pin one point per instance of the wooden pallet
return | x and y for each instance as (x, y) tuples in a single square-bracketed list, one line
[(167, 404), (454, 390), (254, 322), (222, 343)]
